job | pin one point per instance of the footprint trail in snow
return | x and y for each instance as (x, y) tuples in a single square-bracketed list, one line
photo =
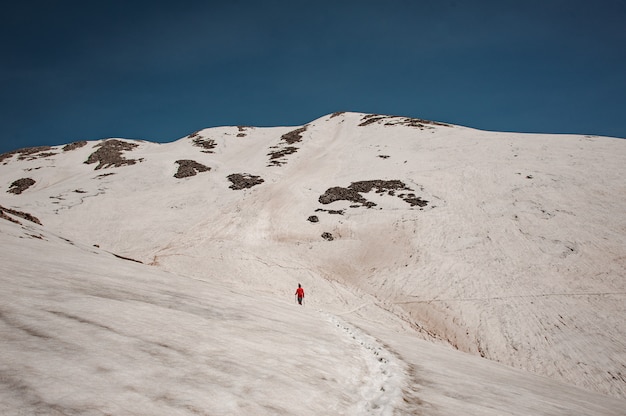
[(385, 377)]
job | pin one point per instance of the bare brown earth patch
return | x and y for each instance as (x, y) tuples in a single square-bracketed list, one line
[(244, 180), (285, 147), (20, 185), (24, 215), (353, 193), (109, 154), (188, 168)]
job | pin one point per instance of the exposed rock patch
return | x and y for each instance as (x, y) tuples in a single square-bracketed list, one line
[(4, 211), (188, 168), (402, 121), (74, 146), (104, 175), (413, 200), (353, 193), (20, 185), (244, 180), (6, 155), (370, 118), (327, 236), (207, 144), (293, 136), (242, 130), (126, 258), (285, 148), (29, 153), (6, 217), (330, 211), (313, 218), (109, 154), (276, 157), (337, 193)]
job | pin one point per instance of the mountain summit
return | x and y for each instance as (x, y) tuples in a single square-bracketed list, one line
[(407, 234)]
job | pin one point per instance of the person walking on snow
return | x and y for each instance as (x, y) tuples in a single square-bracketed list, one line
[(300, 293)]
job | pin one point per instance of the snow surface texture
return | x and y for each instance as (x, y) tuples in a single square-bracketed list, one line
[(504, 246)]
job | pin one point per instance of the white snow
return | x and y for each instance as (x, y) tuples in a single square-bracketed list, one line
[(518, 257)]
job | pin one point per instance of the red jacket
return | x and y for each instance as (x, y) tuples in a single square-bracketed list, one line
[(300, 292)]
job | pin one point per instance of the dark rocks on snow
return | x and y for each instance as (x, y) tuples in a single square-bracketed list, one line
[(331, 211), (242, 130), (401, 121), (278, 154), (353, 193), (285, 147), (188, 168), (244, 180), (415, 201), (338, 193), (74, 146), (126, 258), (313, 218), (379, 185), (29, 153), (327, 236), (4, 211), (207, 144), (371, 118), (6, 217), (293, 136), (20, 185), (109, 154)]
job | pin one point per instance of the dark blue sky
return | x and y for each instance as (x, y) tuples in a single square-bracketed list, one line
[(158, 70)]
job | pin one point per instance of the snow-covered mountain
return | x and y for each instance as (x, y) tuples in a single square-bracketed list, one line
[(447, 270)]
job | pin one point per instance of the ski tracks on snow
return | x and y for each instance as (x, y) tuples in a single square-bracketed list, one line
[(386, 379)]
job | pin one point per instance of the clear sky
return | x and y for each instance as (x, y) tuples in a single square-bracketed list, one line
[(158, 70)]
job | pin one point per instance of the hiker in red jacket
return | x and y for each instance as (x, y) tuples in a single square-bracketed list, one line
[(300, 293)]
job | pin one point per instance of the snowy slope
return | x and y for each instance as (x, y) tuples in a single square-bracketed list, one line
[(85, 332), (506, 246)]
